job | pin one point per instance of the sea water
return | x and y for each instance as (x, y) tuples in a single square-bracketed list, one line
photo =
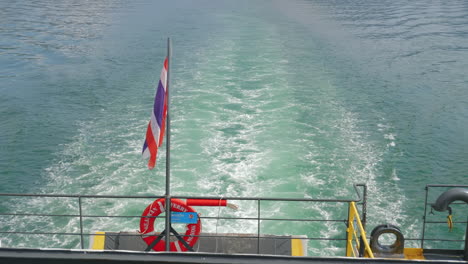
[(285, 99)]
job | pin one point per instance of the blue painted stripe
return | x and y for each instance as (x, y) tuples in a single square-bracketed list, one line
[(145, 145)]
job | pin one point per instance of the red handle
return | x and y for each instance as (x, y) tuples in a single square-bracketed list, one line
[(206, 202)]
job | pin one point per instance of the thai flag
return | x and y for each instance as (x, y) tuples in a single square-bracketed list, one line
[(157, 124)]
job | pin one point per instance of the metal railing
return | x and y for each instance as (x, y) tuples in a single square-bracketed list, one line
[(427, 205), (81, 217), (260, 216)]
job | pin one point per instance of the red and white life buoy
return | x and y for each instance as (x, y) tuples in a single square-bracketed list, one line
[(155, 209)]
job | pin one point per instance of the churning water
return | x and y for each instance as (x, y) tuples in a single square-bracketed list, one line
[(269, 98)]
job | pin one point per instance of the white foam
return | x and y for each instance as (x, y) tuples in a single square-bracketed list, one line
[(389, 136)]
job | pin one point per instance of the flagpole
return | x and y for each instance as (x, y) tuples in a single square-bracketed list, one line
[(168, 147)]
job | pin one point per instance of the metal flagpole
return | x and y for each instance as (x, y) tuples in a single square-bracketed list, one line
[(168, 147)]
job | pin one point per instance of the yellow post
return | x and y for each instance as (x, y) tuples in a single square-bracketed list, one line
[(351, 232)]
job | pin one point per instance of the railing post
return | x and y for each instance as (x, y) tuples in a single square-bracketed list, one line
[(466, 240), (81, 223), (424, 218), (348, 232), (362, 247), (364, 206), (258, 226)]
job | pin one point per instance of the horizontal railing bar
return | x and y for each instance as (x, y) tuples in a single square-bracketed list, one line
[(51, 215), (447, 185), (179, 197), (444, 240), (82, 196), (88, 216), (231, 218), (39, 233), (209, 217), (268, 199), (189, 197), (253, 236), (450, 204), (279, 219), (433, 239), (219, 236), (442, 222), (201, 217)]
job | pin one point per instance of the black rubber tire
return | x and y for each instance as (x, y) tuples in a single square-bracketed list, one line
[(395, 248)]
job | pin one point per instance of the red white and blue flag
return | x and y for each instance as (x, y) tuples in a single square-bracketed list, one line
[(157, 124)]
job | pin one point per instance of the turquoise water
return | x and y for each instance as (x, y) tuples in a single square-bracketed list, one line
[(269, 98)]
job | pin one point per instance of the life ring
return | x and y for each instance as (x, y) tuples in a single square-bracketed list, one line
[(396, 247), (156, 208)]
